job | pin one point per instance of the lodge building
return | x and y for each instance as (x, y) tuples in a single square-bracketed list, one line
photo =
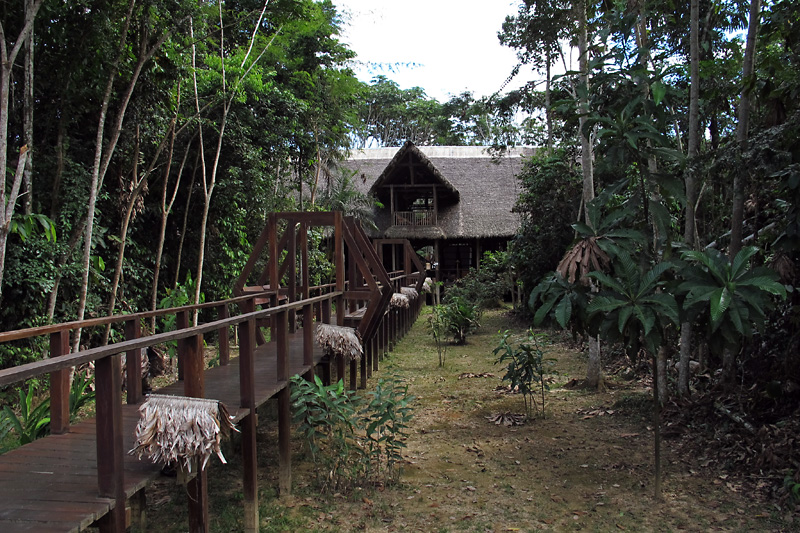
[(452, 202)]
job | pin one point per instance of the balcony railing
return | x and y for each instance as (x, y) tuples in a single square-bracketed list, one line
[(422, 217)]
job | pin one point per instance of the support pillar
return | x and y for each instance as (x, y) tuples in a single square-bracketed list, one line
[(284, 406), (194, 386), (248, 425)]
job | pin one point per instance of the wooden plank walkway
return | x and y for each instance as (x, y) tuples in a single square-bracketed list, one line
[(50, 485)]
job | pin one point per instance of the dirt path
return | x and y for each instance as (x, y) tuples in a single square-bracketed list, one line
[(586, 466)]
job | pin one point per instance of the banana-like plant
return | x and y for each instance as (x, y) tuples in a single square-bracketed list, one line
[(731, 297), (632, 306)]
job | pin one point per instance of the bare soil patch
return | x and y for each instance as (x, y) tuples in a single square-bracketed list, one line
[(586, 465)]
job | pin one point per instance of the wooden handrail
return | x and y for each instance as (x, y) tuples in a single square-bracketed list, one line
[(18, 334), (22, 372)]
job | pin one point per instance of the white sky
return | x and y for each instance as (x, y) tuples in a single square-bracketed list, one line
[(451, 45)]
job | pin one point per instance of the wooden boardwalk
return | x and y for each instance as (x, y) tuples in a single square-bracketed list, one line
[(81, 476), (50, 484)]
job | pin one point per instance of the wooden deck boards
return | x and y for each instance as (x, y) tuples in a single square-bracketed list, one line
[(50, 485)]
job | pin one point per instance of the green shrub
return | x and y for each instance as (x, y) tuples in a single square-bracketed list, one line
[(350, 439), (439, 329), (33, 421), (526, 367), (385, 419), (486, 287), (325, 416), (460, 318)]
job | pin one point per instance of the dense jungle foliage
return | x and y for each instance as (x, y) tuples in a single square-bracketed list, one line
[(158, 135), (146, 142)]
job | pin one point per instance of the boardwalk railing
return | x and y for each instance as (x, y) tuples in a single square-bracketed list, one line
[(262, 372)]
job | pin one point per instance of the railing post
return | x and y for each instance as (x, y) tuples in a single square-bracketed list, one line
[(291, 272), (363, 365), (375, 344), (247, 344), (353, 374), (284, 409), (193, 386), (133, 362), (308, 340), (110, 475), (326, 311), (223, 336), (59, 385)]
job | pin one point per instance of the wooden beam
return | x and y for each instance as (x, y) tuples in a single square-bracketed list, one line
[(194, 387), (110, 474), (284, 408), (248, 425), (223, 336), (59, 385), (133, 362)]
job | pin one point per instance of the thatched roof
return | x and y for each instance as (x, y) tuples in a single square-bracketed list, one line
[(477, 191), (409, 152)]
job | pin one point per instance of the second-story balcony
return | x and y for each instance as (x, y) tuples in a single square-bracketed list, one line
[(418, 217)]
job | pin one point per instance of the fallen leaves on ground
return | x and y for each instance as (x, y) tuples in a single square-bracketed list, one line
[(466, 375), (507, 419)]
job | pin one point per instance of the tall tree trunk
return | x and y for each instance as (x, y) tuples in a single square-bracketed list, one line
[(55, 193), (185, 224), (139, 185), (103, 152), (7, 211), (8, 201), (60, 262), (594, 377), (742, 129), (27, 183), (691, 185), (209, 181), (740, 177), (548, 113), (166, 209), (96, 178)]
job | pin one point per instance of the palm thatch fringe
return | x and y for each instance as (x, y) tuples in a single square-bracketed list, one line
[(399, 300), (177, 429), (427, 285), (339, 340), (411, 292)]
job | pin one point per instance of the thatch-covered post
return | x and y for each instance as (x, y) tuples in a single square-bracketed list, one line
[(280, 320), (194, 387), (59, 385), (248, 425), (110, 475), (133, 362)]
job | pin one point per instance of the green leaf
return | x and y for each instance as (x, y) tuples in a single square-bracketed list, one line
[(564, 312), (720, 300), (604, 304), (541, 313), (741, 260), (624, 315), (658, 89)]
